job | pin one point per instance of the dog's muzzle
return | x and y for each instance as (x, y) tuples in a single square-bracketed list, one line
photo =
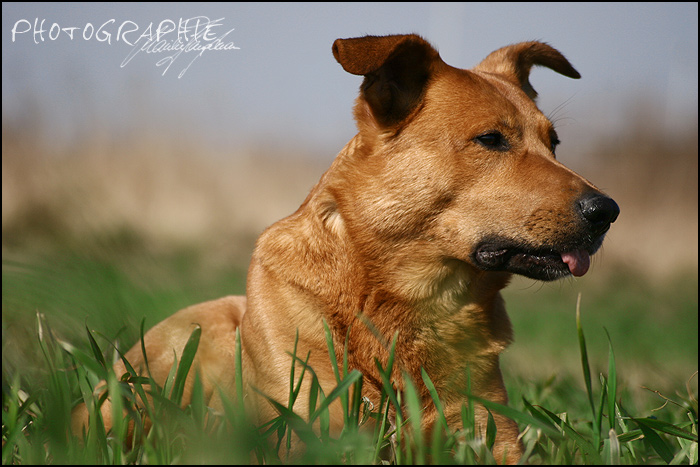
[(556, 259)]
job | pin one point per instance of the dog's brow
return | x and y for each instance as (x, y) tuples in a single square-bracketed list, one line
[(503, 124)]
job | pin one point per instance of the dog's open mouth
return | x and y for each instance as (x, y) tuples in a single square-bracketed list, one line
[(544, 264)]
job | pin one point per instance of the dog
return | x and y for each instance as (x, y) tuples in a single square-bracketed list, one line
[(450, 187)]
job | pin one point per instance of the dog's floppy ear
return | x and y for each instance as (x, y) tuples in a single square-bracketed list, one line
[(396, 70), (515, 61)]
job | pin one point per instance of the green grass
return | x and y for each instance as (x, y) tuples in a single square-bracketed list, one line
[(653, 324), (61, 314)]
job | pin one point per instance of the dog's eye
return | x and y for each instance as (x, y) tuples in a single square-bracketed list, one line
[(555, 142), (494, 141)]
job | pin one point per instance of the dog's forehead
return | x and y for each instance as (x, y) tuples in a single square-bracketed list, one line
[(490, 96)]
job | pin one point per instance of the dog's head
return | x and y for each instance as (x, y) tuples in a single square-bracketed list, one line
[(463, 161)]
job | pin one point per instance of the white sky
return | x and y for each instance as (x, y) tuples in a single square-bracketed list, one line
[(283, 85)]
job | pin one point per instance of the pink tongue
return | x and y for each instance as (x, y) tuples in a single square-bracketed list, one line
[(578, 261)]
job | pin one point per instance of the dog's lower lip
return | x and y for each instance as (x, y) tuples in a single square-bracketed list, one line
[(491, 256), (541, 264), (494, 256), (540, 259)]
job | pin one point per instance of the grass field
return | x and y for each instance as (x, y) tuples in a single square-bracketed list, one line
[(652, 328)]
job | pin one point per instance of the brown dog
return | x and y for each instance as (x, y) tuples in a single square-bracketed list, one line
[(450, 187)]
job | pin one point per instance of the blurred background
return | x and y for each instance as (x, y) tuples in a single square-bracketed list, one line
[(136, 182)]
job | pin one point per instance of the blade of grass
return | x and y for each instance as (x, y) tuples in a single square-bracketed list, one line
[(387, 386), (138, 382), (598, 421), (614, 446), (292, 370), (517, 416), (540, 417), (96, 351), (294, 391), (586, 368), (414, 419), (403, 456), (170, 379), (656, 442), (197, 405), (84, 359), (586, 446), (612, 383), (380, 432), (666, 427), (357, 406), (96, 433), (119, 426), (436, 399), (293, 421), (183, 369), (340, 390), (336, 370), (239, 373), (315, 393), (331, 351), (143, 346), (490, 431), (470, 422), (385, 375)]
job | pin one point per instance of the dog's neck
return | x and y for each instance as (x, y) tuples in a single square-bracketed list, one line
[(444, 312)]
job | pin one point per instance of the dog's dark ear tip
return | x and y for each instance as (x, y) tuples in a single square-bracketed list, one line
[(572, 73)]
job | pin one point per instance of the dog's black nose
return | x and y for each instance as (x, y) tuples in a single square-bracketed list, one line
[(599, 211)]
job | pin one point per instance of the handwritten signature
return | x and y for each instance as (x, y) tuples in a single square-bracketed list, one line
[(188, 37)]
